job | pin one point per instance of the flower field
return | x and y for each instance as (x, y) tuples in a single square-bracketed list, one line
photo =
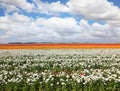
[(57, 46), (60, 70)]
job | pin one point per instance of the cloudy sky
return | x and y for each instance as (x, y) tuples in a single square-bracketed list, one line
[(60, 21)]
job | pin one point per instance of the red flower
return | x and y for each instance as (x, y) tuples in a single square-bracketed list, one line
[(82, 74)]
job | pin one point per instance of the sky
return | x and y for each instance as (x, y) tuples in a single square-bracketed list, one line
[(91, 21)]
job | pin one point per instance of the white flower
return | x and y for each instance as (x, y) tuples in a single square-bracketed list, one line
[(63, 83), (51, 84), (57, 83)]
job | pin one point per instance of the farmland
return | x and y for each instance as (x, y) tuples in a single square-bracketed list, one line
[(57, 46), (60, 69)]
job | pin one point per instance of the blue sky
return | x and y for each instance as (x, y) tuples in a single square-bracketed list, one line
[(115, 2), (60, 21)]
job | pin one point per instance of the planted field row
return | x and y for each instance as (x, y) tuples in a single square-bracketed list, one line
[(57, 46)]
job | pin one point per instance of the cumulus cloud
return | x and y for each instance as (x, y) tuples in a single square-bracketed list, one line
[(9, 8), (13, 5), (58, 23), (50, 8), (19, 27), (93, 9), (96, 9), (22, 28)]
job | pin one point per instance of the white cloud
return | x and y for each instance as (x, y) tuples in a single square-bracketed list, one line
[(19, 27), (13, 5), (10, 8), (22, 28), (89, 9), (50, 8), (57, 22), (94, 9), (99, 33)]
